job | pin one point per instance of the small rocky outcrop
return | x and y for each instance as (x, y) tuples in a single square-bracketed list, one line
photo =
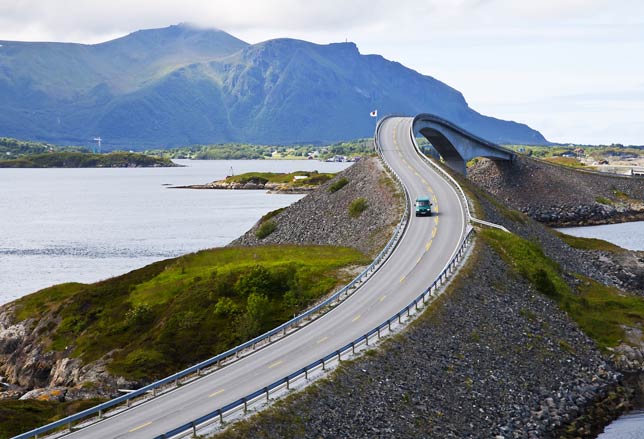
[(560, 196), (323, 216)]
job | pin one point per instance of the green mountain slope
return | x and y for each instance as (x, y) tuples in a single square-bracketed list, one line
[(183, 85)]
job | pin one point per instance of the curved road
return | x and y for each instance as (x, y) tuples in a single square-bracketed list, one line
[(424, 250)]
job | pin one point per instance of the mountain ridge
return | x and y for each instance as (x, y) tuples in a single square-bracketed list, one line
[(184, 85)]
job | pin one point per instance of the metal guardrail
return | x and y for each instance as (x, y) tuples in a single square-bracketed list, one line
[(431, 291), (242, 404), (236, 352)]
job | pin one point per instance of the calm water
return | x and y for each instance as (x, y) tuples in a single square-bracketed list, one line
[(629, 426), (84, 225), (626, 235)]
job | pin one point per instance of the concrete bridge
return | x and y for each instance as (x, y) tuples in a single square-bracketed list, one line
[(455, 145)]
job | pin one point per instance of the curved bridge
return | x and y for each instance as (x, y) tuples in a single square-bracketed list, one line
[(456, 145)]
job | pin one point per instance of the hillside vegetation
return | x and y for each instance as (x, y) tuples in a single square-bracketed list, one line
[(63, 159), (174, 313)]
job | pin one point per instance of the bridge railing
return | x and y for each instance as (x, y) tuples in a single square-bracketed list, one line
[(225, 358)]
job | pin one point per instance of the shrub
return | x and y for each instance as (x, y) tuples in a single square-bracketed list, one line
[(337, 185), (357, 206), (265, 229)]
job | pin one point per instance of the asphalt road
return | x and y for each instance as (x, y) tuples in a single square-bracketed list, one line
[(425, 249)]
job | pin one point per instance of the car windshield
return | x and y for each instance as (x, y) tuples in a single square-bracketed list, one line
[(423, 202)]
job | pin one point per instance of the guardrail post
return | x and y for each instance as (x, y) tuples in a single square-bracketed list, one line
[(245, 406), (366, 338), (353, 348), (176, 382), (323, 365), (194, 429), (128, 402), (389, 325), (154, 392), (306, 374), (69, 427), (288, 384), (267, 394), (100, 414), (198, 372), (339, 357), (221, 417), (378, 332)]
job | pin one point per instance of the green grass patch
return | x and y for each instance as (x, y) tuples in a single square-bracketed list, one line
[(271, 214), (312, 178), (357, 206), (173, 313), (18, 416), (337, 185), (569, 162), (265, 229), (589, 243), (599, 310), (604, 200)]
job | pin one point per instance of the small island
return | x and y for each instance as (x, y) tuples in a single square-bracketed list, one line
[(65, 159), (294, 182)]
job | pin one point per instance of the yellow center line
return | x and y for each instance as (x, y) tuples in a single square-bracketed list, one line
[(418, 260), (383, 297), (436, 220), (322, 340), (139, 427), (424, 181), (356, 318), (434, 232), (402, 279), (277, 363), (218, 392), (436, 208), (428, 245), (435, 199)]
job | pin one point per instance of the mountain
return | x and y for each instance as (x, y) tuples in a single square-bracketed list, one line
[(184, 85)]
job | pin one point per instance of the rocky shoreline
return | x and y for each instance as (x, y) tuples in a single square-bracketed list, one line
[(251, 185)]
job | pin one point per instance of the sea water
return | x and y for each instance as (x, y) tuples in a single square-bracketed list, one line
[(84, 225)]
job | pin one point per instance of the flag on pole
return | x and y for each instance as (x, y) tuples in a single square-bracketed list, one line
[(374, 113)]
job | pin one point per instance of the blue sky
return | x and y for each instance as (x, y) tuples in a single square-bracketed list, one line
[(573, 69)]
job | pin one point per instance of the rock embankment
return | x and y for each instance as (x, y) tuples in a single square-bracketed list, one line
[(494, 359), (561, 196), (323, 216)]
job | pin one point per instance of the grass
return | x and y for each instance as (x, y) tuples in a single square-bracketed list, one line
[(313, 178), (604, 200), (18, 416), (174, 313), (337, 185), (588, 243), (265, 229), (569, 162), (599, 310), (357, 206)]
